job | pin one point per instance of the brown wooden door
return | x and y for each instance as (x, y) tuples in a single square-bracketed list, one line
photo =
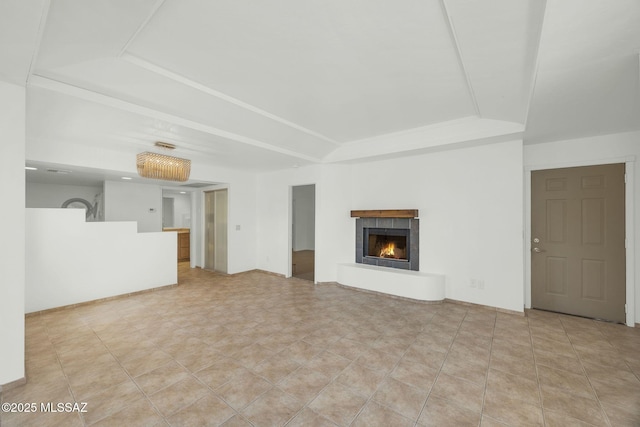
[(578, 241)]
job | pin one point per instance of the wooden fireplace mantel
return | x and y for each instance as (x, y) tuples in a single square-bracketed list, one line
[(385, 213)]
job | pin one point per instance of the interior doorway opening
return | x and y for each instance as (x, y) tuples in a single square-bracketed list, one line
[(303, 231)]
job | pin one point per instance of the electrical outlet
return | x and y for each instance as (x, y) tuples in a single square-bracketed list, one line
[(480, 284), (473, 283)]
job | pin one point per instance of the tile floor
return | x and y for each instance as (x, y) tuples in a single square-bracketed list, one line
[(256, 349)]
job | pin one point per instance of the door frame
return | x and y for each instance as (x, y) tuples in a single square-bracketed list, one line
[(198, 206), (629, 226), (289, 269)]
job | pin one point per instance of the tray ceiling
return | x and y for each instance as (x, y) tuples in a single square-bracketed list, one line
[(268, 85)]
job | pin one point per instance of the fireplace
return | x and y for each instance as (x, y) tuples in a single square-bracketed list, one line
[(387, 241)]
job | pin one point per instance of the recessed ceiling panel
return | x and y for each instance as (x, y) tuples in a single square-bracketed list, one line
[(499, 52), (19, 26), (83, 30), (347, 70), (123, 80), (55, 119), (587, 79)]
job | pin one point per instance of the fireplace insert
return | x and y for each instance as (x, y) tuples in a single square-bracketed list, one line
[(389, 243)]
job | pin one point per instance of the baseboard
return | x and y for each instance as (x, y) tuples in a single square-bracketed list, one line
[(487, 307), (99, 300), (13, 384), (271, 273), (382, 294)]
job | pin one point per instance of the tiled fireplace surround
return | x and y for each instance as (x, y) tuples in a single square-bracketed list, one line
[(411, 224)]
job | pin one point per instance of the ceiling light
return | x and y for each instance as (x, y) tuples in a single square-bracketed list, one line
[(183, 192), (126, 177), (30, 168), (160, 166)]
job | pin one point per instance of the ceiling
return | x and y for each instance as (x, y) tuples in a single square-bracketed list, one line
[(263, 86)]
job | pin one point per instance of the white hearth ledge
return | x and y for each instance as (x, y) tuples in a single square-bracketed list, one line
[(403, 283)]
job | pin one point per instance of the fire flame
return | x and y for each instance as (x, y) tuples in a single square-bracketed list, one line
[(388, 251)]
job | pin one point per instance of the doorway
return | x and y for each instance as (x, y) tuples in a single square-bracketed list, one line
[(578, 255), (216, 224), (303, 231)]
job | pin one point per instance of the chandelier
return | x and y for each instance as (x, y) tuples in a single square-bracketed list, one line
[(160, 166)]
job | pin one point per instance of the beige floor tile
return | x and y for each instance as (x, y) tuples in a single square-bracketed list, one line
[(561, 419), (487, 421), (84, 384), (338, 403), (415, 374), (572, 383), (209, 410), (139, 413), (466, 366), (302, 352), (373, 414), (461, 392), (243, 389), (304, 384), (273, 408), (401, 397), (620, 393), (257, 339), (110, 400), (328, 363), (348, 348), (514, 365), (377, 360), (559, 361), (161, 377), (218, 373), (425, 356), (41, 419), (308, 418), (235, 421), (442, 412), (360, 379), (519, 388), (145, 362), (505, 347), (173, 398), (622, 415), (276, 368), (435, 340), (513, 412), (582, 408)]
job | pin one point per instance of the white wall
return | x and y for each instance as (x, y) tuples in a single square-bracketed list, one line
[(596, 150), (242, 214), (12, 258), (332, 221), (69, 261), (130, 201), (41, 195), (181, 210), (471, 215), (304, 224), (241, 184)]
